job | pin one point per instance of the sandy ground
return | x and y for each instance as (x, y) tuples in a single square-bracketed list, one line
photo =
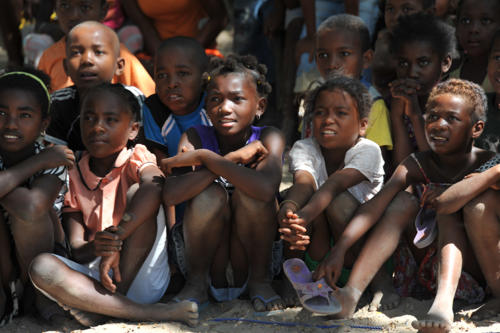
[(295, 319)]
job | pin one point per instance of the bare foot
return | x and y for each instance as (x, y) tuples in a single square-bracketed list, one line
[(194, 291), (436, 321), (385, 296), (87, 319), (264, 298), (488, 310), (288, 294), (348, 298), (185, 312)]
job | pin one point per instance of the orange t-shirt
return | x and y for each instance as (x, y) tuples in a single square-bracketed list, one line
[(174, 17), (102, 201), (134, 74)]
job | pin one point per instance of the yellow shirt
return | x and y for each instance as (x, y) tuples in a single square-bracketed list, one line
[(379, 125)]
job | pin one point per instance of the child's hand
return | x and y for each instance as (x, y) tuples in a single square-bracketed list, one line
[(107, 242), (405, 89), (111, 262), (331, 267), (293, 230), (56, 156), (431, 192), (183, 159), (251, 154)]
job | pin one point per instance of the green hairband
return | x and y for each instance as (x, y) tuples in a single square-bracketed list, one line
[(34, 77)]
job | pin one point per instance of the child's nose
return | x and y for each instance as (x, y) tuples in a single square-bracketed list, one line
[(414, 71), (87, 57), (11, 123)]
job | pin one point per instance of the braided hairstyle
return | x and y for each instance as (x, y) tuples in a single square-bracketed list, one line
[(247, 65)]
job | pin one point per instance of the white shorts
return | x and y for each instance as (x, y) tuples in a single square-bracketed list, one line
[(153, 277)]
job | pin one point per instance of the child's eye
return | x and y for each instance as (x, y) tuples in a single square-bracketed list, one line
[(2, 113), (85, 8), (111, 119), (345, 53), (389, 9), (322, 55), (183, 73), (214, 99), (161, 76), (238, 98), (423, 63), (25, 115), (403, 64), (74, 52), (465, 20), (452, 118), (486, 21), (319, 112), (99, 52), (407, 10)]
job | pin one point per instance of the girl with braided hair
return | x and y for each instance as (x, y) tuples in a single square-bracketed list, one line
[(230, 216)]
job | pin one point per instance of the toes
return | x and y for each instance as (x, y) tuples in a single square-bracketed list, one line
[(258, 305)]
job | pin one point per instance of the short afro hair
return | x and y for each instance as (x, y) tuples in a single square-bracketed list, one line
[(247, 65), (351, 86), (350, 23), (426, 28), (125, 96), (469, 91), (190, 46)]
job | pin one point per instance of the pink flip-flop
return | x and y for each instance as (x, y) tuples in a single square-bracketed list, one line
[(425, 223), (315, 296)]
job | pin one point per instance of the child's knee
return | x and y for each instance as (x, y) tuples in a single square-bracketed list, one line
[(476, 208), (210, 201), (404, 204), (243, 200), (44, 269), (342, 208)]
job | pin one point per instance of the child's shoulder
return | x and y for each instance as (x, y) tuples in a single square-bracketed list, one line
[(267, 131), (68, 94)]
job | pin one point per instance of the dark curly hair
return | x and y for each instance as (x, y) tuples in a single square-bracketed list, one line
[(427, 28), (34, 81), (124, 95), (351, 86), (247, 65)]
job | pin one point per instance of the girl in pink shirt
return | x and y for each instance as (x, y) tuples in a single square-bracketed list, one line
[(119, 264)]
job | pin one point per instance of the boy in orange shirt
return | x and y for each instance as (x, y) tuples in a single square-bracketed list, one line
[(70, 13)]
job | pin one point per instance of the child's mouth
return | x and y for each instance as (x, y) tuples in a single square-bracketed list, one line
[(174, 97), (438, 139), (226, 122), (11, 137), (328, 132), (88, 76)]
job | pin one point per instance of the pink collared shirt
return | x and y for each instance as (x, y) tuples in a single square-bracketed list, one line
[(102, 200)]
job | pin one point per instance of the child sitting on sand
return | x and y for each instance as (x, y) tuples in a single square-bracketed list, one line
[(334, 171), (119, 266), (31, 178), (454, 118), (231, 213)]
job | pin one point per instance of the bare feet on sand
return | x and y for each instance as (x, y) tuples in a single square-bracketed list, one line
[(288, 294), (263, 297), (87, 319), (435, 321), (194, 291), (488, 310), (385, 296), (349, 298)]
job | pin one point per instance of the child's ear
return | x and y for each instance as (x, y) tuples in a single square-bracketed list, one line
[(477, 129), (446, 64), (120, 66), (363, 125), (367, 58), (65, 66), (45, 124), (134, 131), (261, 106)]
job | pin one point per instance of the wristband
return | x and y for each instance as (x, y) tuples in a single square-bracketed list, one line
[(297, 206)]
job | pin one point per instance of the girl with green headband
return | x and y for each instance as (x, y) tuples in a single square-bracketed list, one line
[(31, 179)]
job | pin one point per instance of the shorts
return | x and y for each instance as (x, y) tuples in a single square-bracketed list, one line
[(153, 277)]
